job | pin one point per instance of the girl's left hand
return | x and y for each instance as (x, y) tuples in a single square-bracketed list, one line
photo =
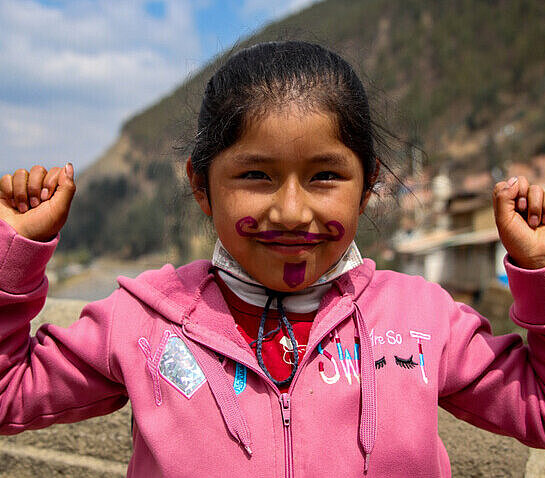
[(520, 217)]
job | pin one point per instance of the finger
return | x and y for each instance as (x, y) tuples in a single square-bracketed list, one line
[(50, 183), (35, 181), (6, 186), (20, 181), (504, 195), (522, 201), (6, 189), (66, 189), (535, 205)]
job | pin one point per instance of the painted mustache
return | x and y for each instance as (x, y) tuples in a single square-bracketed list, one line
[(335, 227)]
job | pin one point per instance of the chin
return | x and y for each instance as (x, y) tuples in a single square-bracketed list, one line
[(291, 283), (287, 276), (283, 287)]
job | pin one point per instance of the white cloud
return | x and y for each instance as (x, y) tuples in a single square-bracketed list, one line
[(19, 133), (51, 135), (70, 74), (274, 9)]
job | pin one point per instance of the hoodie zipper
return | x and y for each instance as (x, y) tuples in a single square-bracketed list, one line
[(285, 407), (283, 398)]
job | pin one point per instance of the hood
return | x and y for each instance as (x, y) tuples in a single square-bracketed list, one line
[(176, 293)]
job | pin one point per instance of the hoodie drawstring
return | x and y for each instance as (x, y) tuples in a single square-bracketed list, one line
[(283, 320), (224, 394), (368, 414)]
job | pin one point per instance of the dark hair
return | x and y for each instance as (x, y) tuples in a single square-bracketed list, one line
[(269, 75)]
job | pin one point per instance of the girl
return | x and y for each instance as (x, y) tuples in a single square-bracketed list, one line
[(287, 354)]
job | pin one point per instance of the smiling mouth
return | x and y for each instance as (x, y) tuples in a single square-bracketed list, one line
[(290, 247)]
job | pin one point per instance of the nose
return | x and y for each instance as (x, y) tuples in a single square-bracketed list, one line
[(290, 208)]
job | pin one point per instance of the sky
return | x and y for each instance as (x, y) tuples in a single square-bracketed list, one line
[(72, 71)]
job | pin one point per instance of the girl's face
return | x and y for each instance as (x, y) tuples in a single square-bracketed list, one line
[(285, 198)]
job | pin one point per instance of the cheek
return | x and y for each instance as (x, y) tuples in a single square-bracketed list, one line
[(344, 220)]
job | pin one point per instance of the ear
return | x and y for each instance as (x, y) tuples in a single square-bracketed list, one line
[(198, 187), (367, 195)]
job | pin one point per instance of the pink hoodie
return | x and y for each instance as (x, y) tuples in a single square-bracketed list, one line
[(167, 342)]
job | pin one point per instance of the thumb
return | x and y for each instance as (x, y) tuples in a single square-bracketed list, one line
[(505, 195), (66, 189)]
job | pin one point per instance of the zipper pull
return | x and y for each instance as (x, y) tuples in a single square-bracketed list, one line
[(285, 407)]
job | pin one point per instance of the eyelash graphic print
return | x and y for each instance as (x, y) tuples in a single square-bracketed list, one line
[(380, 362), (405, 363)]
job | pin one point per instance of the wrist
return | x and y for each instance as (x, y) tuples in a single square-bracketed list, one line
[(36, 236), (527, 263)]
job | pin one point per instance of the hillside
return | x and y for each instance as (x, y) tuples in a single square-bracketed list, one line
[(447, 75)]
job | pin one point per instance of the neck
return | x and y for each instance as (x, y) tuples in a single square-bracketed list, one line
[(255, 293)]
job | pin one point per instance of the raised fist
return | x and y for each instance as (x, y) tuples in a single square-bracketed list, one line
[(36, 203), (520, 217)]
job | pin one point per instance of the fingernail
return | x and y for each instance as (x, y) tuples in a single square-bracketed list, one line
[(34, 202), (23, 207), (44, 194), (69, 170), (522, 204), (512, 180), (533, 221)]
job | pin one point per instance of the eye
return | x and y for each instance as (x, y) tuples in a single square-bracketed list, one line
[(325, 176), (254, 175)]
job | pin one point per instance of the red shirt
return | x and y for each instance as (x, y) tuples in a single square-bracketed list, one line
[(277, 348)]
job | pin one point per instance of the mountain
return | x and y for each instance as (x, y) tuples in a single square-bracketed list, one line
[(464, 80)]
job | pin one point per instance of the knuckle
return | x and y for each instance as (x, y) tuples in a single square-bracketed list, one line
[(48, 180), (498, 187), (20, 171), (71, 189), (5, 181), (37, 168), (34, 189), (50, 184), (52, 176), (503, 192)]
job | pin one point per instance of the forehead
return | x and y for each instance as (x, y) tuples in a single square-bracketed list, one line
[(290, 127), (289, 134)]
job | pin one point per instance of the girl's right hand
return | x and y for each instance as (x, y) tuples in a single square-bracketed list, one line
[(36, 203)]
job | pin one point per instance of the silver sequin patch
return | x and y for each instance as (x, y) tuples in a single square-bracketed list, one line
[(179, 367)]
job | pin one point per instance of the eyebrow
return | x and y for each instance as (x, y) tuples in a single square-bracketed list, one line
[(252, 159), (333, 159)]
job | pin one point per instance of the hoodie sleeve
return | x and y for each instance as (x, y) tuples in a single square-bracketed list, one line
[(62, 374), (498, 383)]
